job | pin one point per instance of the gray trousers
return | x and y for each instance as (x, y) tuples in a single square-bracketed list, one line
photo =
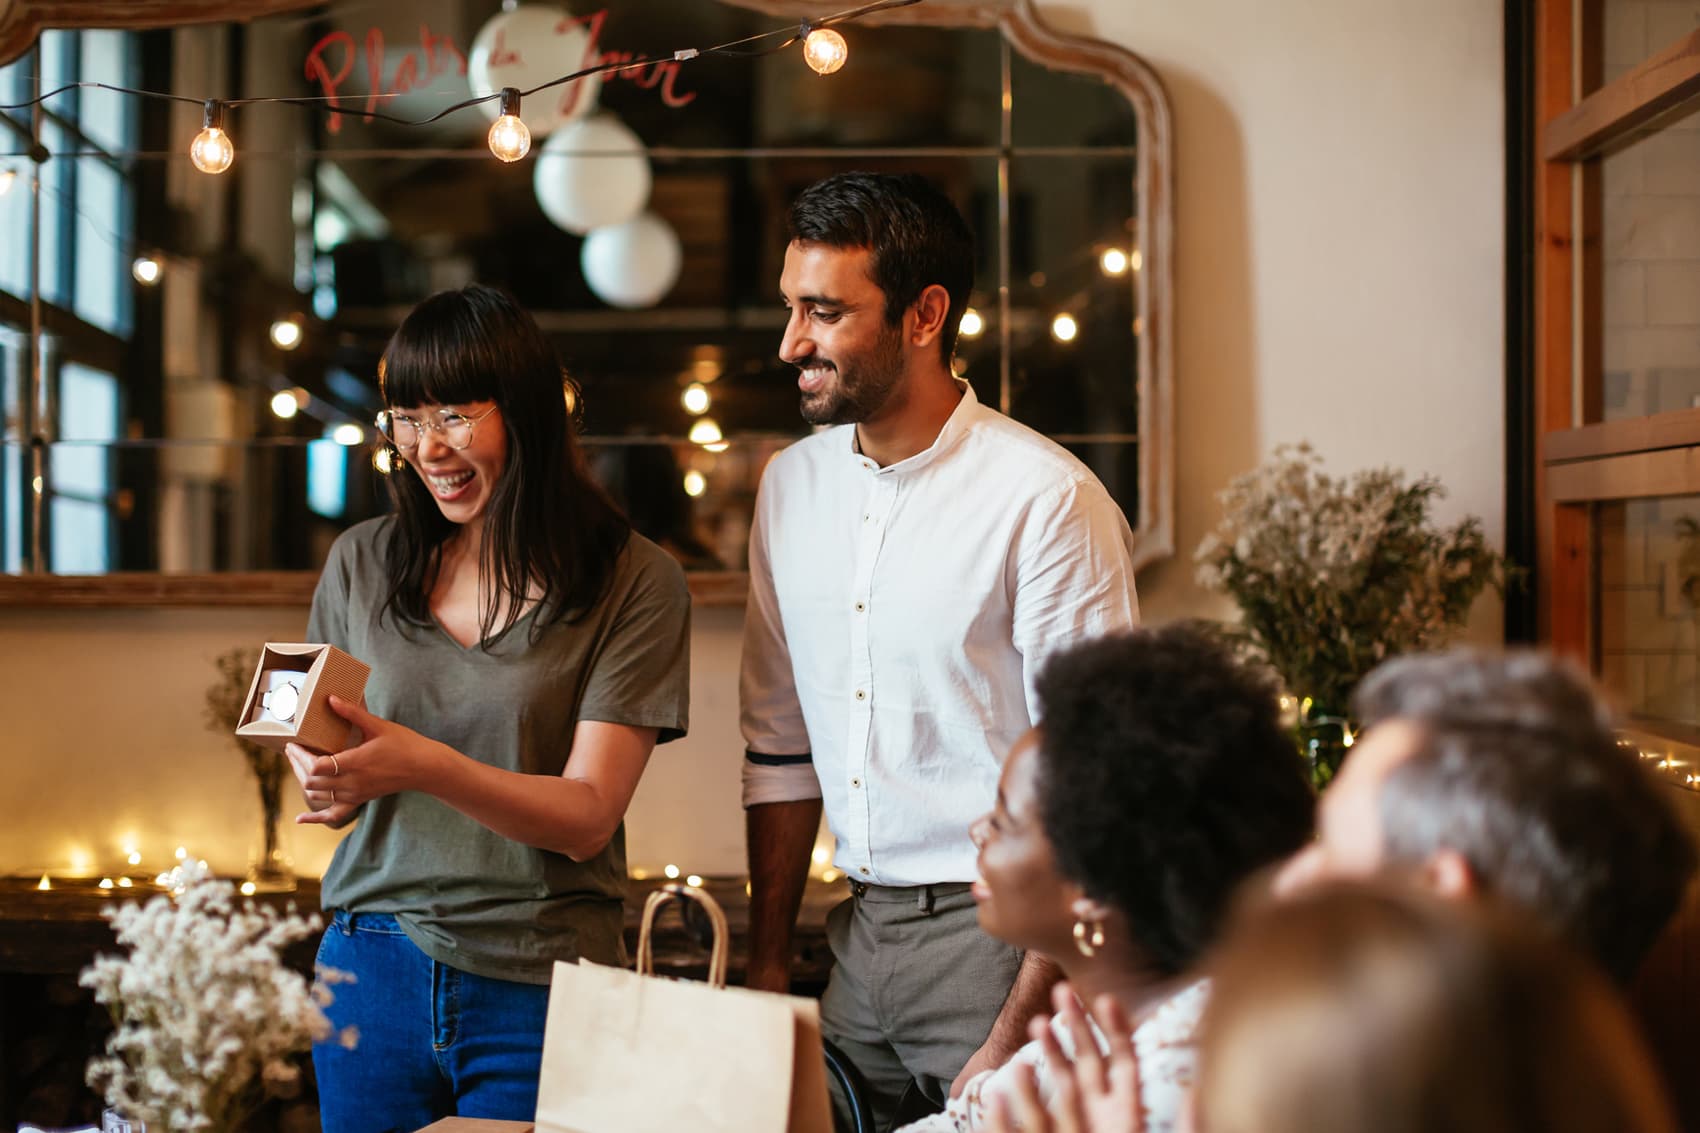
[(915, 987)]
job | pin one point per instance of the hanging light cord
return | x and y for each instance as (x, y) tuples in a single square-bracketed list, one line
[(735, 49)]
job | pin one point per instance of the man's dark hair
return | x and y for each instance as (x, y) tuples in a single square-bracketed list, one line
[(547, 525), (1518, 769), (1165, 779), (916, 235)]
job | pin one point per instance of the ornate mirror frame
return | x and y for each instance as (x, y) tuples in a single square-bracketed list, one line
[(21, 22)]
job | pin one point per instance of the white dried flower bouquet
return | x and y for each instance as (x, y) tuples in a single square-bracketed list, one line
[(207, 1015), (1334, 574)]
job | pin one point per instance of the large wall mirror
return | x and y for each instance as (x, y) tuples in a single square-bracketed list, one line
[(188, 361)]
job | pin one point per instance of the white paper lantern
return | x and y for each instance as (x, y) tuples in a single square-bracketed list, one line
[(527, 47), (632, 264), (592, 173)]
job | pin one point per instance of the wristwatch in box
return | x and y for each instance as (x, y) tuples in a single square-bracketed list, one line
[(283, 698)]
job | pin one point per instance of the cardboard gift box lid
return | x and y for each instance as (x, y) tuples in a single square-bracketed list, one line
[(476, 1125), (326, 670)]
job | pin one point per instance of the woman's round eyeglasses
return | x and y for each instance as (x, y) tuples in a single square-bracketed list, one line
[(404, 430)]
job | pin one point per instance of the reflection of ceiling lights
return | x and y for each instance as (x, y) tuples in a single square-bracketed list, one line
[(695, 483), (7, 177), (286, 334), (1136, 260), (1114, 261), (146, 270), (705, 431), (695, 398), (825, 51), (1064, 328), (348, 434), (383, 460), (288, 403), (972, 324)]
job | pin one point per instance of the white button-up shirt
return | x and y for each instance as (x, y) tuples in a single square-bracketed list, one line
[(897, 618)]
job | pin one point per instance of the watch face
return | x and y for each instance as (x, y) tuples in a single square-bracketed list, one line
[(284, 697)]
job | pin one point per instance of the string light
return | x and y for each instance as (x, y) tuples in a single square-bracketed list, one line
[(972, 324), (694, 881), (285, 405), (134, 857), (212, 150), (286, 333), (248, 889), (510, 138), (695, 483), (705, 431), (1064, 328), (672, 872), (146, 270), (44, 883), (348, 435), (825, 51), (1114, 261), (695, 398)]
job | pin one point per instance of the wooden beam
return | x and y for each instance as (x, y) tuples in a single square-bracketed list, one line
[(1666, 472), (1613, 114), (1616, 438)]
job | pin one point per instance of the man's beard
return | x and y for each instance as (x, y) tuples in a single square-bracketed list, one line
[(856, 394)]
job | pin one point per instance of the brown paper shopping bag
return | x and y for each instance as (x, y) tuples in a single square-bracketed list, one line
[(632, 1052)]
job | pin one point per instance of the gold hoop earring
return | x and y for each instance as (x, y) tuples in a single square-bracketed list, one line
[(1088, 940)]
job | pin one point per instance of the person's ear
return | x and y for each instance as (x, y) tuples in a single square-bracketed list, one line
[(930, 311), (1448, 873)]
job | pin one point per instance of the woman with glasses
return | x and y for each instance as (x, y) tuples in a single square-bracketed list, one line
[(528, 651)]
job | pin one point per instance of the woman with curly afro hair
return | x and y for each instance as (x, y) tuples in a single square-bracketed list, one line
[(1158, 779)]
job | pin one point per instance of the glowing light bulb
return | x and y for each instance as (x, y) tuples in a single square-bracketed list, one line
[(134, 857), (694, 881), (146, 270), (1114, 261), (106, 883), (706, 431), (510, 138), (44, 883), (348, 435), (125, 883), (248, 889), (285, 405), (695, 483), (972, 325), (825, 51), (180, 853), (672, 871), (1064, 328), (695, 398), (212, 150), (286, 334)]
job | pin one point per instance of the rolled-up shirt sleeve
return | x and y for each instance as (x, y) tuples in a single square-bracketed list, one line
[(777, 765)]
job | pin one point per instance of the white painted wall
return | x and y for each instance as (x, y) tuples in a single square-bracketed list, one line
[(1339, 279)]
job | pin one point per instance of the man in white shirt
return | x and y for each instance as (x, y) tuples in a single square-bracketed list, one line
[(909, 571)]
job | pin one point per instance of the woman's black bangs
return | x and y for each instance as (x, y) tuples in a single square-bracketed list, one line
[(435, 371)]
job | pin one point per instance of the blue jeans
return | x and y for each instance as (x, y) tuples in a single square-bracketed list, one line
[(434, 1041)]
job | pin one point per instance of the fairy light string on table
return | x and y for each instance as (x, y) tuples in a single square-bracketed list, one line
[(214, 150)]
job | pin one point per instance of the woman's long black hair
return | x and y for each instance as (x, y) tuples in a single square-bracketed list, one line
[(547, 523)]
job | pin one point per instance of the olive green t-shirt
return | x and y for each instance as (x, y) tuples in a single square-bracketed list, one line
[(467, 896)]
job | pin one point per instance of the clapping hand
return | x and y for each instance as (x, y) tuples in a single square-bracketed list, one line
[(1091, 1093)]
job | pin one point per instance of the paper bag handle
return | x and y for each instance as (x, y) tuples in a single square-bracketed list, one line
[(716, 918)]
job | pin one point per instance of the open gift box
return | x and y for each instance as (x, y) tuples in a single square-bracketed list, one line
[(289, 699)]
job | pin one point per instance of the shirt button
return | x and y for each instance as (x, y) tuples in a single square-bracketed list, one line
[(860, 606), (866, 870), (855, 782), (870, 468), (861, 694)]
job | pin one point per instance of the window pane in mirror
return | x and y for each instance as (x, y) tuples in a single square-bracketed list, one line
[(1648, 288), (1060, 108), (1649, 606), (1074, 272)]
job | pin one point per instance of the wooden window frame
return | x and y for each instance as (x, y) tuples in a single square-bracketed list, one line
[(1578, 465)]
